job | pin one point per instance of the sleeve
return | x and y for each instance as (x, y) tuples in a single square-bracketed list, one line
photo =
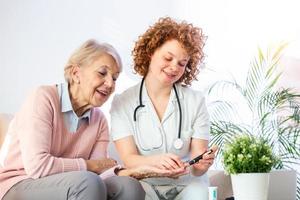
[(100, 147), (110, 172), (201, 124), (35, 129), (121, 120)]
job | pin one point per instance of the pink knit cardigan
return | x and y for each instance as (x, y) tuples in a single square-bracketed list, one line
[(40, 145)]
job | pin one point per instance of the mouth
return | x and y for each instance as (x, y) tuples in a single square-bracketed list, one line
[(104, 93), (170, 75)]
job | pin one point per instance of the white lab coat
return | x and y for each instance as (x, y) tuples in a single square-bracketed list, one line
[(154, 137)]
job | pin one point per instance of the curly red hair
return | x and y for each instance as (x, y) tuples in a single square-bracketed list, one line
[(190, 37)]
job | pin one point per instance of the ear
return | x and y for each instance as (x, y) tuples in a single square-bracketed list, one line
[(76, 74)]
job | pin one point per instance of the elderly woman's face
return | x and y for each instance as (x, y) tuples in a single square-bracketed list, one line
[(97, 81)]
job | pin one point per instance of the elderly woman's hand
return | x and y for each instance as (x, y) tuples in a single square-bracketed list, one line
[(148, 171), (98, 166)]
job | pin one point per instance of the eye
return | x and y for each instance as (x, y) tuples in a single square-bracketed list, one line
[(182, 64), (168, 58), (102, 72)]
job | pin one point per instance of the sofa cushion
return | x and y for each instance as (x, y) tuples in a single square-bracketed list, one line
[(222, 181), (4, 122)]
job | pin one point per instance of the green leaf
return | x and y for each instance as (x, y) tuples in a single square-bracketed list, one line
[(274, 115)]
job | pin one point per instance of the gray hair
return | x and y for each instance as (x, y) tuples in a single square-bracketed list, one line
[(87, 54)]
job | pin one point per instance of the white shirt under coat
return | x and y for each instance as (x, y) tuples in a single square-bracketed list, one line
[(153, 136)]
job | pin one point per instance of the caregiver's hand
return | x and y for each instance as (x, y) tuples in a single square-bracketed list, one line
[(167, 161), (207, 161)]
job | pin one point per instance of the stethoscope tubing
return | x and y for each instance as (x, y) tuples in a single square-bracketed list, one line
[(142, 105), (180, 112), (140, 100)]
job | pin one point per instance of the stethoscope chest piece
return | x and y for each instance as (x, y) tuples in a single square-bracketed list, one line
[(178, 144)]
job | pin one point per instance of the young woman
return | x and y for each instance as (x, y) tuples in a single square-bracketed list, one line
[(161, 122)]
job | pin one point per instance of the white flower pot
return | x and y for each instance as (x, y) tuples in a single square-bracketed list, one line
[(250, 186)]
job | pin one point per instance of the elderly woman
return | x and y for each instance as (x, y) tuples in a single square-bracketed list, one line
[(57, 143)]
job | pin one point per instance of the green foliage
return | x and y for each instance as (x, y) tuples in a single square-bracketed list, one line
[(272, 113), (248, 154)]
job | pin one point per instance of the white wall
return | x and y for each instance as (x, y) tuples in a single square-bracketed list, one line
[(37, 36)]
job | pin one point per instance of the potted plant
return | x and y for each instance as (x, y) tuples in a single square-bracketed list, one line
[(249, 160), (258, 107)]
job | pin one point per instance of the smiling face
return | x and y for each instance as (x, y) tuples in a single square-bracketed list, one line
[(96, 82), (168, 63)]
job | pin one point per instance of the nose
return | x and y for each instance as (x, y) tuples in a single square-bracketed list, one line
[(109, 82), (174, 66)]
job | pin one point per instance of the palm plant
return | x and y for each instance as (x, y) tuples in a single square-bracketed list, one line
[(270, 112)]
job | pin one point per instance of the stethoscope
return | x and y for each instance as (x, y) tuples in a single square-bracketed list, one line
[(178, 143)]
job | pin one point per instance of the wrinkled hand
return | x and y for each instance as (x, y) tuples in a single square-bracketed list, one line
[(148, 171), (98, 166), (168, 161)]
